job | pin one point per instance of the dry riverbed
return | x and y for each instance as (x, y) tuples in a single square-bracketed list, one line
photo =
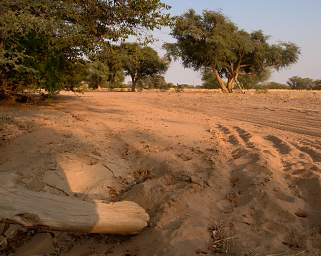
[(218, 174)]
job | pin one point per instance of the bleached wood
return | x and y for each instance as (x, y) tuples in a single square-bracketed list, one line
[(40, 209)]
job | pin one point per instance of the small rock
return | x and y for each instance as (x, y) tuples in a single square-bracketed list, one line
[(211, 130), (301, 213), (183, 178)]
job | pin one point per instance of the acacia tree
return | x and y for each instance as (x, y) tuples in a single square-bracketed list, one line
[(96, 74), (42, 39), (213, 42), (317, 85), (140, 62), (111, 56), (300, 83), (154, 82)]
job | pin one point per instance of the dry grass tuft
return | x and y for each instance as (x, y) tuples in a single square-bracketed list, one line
[(222, 240)]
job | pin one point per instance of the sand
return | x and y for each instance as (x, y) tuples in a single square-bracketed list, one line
[(218, 174)]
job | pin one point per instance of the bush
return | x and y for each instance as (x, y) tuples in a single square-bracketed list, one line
[(261, 90), (179, 88), (274, 85)]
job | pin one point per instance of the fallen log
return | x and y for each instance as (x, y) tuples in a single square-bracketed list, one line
[(45, 210)]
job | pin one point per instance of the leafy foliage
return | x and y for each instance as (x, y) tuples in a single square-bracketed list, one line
[(300, 83), (317, 85), (295, 83), (140, 62), (209, 80), (211, 41), (111, 57), (97, 74), (42, 41), (154, 82)]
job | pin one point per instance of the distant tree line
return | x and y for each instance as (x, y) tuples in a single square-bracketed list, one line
[(50, 46), (295, 83), (300, 83)]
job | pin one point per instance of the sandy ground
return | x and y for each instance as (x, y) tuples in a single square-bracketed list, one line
[(218, 174)]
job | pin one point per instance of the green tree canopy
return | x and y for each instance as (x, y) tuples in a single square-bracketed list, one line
[(111, 56), (140, 62), (154, 82), (42, 39), (317, 84), (300, 83), (209, 79), (96, 74), (213, 42)]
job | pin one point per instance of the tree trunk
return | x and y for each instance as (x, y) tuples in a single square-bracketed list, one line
[(220, 81), (134, 82), (233, 79), (45, 210), (231, 84), (133, 86)]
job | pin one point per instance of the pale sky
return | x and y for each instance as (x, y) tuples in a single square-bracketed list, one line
[(297, 21)]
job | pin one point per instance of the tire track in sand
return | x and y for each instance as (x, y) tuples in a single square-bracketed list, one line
[(274, 189)]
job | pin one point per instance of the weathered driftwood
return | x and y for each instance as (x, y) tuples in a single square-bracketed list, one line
[(40, 209)]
